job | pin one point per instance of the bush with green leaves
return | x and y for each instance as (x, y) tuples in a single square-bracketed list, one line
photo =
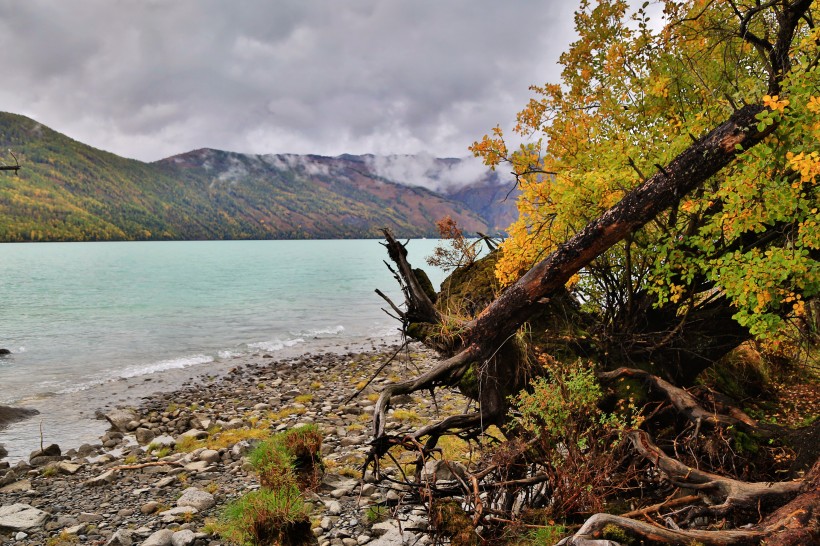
[(574, 442)]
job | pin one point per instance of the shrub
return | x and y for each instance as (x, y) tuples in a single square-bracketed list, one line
[(575, 442), (289, 457), (266, 517), (273, 463)]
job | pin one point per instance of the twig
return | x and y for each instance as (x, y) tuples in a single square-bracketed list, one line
[(383, 366)]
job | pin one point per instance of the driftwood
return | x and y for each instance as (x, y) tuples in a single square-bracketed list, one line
[(796, 523), (686, 404)]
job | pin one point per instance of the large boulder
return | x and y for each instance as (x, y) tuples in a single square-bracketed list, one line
[(122, 419), (9, 415), (21, 517), (42, 457)]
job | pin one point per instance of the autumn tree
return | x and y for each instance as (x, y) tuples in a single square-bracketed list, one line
[(669, 211)]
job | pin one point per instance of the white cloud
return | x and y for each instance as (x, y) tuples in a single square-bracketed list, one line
[(153, 79)]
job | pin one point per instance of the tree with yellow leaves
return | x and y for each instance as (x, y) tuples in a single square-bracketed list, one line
[(669, 211), (631, 99)]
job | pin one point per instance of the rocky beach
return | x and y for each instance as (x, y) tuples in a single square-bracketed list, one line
[(166, 467)]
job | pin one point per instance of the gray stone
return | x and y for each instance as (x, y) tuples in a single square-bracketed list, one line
[(87, 517), (120, 538), (21, 517), (163, 441), (51, 451), (233, 424), (201, 421), (166, 481), (383, 527), (3, 451), (121, 418), (195, 434), (149, 507), (75, 529), (443, 471), (160, 538), (198, 466), (20, 536), (103, 479), (388, 534), (185, 537), (43, 460), (144, 435), (22, 485), (368, 489), (339, 493), (240, 448), (334, 508), (65, 467), (209, 456), (170, 516), (201, 500)]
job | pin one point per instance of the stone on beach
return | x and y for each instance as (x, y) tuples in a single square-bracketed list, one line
[(160, 538), (186, 537), (102, 479), (120, 538), (121, 419), (9, 415), (201, 500), (44, 456), (21, 517)]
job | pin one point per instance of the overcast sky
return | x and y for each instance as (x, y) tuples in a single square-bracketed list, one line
[(152, 78)]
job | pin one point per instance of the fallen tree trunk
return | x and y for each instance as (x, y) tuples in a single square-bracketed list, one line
[(479, 339)]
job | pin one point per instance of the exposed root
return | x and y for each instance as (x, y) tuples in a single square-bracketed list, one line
[(686, 404), (721, 494), (441, 374), (601, 529)]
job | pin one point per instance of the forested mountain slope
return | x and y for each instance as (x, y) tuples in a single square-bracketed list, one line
[(68, 191)]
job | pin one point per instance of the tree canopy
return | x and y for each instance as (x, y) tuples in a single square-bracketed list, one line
[(634, 94), (668, 214)]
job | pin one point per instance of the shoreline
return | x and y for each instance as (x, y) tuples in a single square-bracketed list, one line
[(117, 486), (75, 415)]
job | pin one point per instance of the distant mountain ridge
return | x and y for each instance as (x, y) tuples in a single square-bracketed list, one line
[(68, 191)]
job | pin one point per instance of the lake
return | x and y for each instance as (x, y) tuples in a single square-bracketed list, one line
[(86, 322)]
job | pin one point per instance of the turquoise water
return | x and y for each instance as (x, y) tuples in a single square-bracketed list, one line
[(79, 317)]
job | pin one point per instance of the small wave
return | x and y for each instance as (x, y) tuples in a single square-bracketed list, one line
[(162, 365), (275, 345), (227, 355), (332, 331), (385, 331)]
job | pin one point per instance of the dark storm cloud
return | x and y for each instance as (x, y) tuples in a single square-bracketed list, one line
[(150, 78)]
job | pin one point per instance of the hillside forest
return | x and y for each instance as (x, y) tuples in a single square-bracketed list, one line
[(65, 190), (640, 357)]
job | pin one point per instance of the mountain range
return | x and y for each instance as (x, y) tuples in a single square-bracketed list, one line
[(68, 191)]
